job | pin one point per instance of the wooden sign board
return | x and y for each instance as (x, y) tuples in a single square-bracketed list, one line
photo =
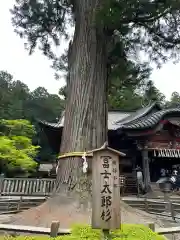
[(105, 189)]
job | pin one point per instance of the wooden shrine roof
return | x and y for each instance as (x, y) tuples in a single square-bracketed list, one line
[(143, 118), (113, 117), (150, 120)]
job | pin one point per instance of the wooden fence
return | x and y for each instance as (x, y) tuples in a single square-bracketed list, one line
[(25, 202), (159, 207), (53, 231), (165, 231), (26, 186), (10, 206), (44, 187)]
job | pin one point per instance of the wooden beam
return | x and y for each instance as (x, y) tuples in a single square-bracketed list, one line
[(170, 230), (30, 229)]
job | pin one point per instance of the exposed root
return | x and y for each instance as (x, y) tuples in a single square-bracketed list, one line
[(67, 212), (60, 208)]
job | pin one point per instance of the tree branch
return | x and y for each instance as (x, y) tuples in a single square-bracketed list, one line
[(160, 35), (150, 19)]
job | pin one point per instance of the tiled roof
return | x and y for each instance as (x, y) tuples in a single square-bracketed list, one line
[(59, 124), (139, 113), (150, 120), (113, 117), (143, 118)]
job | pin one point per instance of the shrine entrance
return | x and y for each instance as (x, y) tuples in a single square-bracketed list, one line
[(167, 159)]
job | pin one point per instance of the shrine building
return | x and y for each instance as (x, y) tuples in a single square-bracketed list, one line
[(150, 138)]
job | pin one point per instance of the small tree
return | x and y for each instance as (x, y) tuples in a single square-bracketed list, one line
[(16, 150)]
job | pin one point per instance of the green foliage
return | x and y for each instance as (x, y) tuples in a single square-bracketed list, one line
[(131, 98), (18, 102), (130, 26), (16, 149), (152, 93), (129, 87), (174, 100), (129, 232), (51, 12), (124, 99), (19, 127)]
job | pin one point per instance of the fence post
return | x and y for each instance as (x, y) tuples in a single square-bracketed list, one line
[(151, 226), (19, 204), (138, 190), (146, 204), (167, 202), (1, 183), (54, 228), (172, 211)]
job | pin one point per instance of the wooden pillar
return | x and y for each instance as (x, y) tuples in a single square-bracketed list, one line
[(146, 170), (134, 161)]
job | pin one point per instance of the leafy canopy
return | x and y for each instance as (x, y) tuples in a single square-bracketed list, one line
[(19, 127), (18, 102), (130, 25), (174, 100), (16, 150)]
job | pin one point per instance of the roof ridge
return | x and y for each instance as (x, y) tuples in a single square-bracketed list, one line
[(150, 119), (139, 114)]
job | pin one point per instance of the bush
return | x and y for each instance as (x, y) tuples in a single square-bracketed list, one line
[(16, 150), (80, 232)]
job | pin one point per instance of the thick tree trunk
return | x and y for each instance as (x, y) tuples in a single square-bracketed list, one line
[(85, 124)]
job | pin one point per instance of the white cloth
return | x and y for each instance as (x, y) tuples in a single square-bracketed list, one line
[(85, 163), (57, 169), (175, 172), (139, 175), (173, 179), (140, 179)]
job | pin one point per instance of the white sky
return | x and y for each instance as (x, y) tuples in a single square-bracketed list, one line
[(35, 70)]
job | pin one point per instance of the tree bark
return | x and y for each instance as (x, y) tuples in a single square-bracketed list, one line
[(85, 126)]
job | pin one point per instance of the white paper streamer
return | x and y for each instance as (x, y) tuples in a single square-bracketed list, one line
[(154, 153), (163, 153), (172, 153), (85, 163)]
